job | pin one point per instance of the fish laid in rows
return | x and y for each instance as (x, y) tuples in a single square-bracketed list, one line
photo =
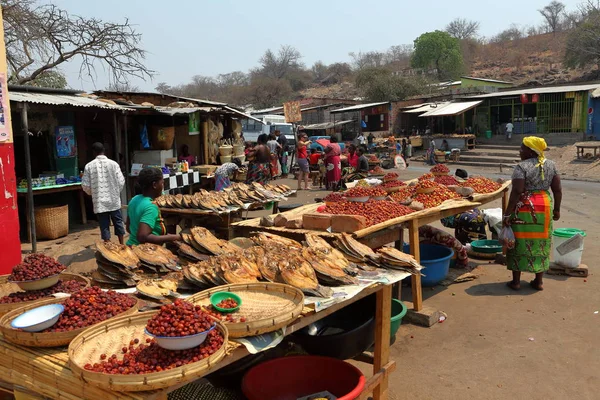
[(157, 256), (118, 254)]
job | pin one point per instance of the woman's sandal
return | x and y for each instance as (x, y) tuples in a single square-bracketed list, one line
[(536, 286), (513, 285)]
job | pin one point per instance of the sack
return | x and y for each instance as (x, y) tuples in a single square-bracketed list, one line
[(507, 237)]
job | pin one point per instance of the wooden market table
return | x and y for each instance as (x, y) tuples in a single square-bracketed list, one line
[(582, 146), (45, 372), (37, 191), (391, 231)]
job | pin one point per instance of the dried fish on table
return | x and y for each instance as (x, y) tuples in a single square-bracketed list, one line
[(203, 238), (264, 238), (328, 271), (157, 289), (395, 259), (118, 254), (157, 256), (299, 273)]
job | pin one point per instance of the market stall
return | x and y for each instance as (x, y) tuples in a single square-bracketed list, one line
[(389, 231)]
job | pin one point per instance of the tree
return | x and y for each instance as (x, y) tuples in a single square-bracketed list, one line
[(319, 71), (512, 33), (370, 59), (441, 51), (265, 92), (163, 87), (400, 53), (39, 38), (122, 87), (278, 65), (462, 28), (553, 13), (379, 84), (583, 42), (49, 79)]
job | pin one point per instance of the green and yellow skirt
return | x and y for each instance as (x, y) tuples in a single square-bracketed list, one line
[(532, 226)]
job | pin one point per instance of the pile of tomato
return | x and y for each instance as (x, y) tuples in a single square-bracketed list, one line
[(426, 184), (374, 211), (390, 176), (377, 171), (392, 184), (481, 185), (435, 198), (358, 191), (427, 176), (440, 169), (446, 180), (404, 193)]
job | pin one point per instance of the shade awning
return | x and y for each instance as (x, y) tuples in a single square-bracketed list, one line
[(452, 109), (241, 114), (61, 100), (427, 107), (596, 93), (327, 125), (358, 107)]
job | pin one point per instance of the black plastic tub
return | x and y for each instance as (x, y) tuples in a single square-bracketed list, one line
[(344, 334)]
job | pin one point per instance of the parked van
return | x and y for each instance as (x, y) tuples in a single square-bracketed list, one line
[(270, 123)]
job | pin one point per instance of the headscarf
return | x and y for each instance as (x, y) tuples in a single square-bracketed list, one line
[(538, 145)]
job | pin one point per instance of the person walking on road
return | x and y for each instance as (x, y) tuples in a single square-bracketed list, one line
[(509, 130), (103, 180)]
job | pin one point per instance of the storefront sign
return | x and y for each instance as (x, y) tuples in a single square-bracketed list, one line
[(292, 112), (5, 131), (194, 123), (65, 142)]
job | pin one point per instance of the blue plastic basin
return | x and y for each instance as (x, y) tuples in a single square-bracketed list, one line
[(436, 261)]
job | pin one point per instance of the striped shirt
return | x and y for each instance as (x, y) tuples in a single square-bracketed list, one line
[(103, 180)]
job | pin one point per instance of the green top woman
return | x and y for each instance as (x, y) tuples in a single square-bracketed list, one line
[(530, 212), (144, 222)]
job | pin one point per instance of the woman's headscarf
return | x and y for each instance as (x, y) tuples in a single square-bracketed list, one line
[(538, 145)]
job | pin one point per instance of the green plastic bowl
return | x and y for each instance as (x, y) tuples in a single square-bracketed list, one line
[(398, 312), (486, 246), (220, 296)]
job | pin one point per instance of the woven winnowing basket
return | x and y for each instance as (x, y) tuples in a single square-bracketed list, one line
[(7, 288), (44, 339), (51, 222), (266, 306), (110, 336)]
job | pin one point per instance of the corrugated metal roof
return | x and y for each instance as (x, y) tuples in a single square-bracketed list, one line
[(60, 100), (452, 109), (596, 93), (359, 107), (539, 90), (209, 102), (484, 80), (241, 114), (427, 107), (183, 110), (327, 125)]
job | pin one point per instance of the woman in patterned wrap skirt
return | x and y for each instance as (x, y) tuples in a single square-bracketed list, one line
[(530, 212)]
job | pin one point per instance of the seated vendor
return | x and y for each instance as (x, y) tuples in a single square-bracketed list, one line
[(144, 222), (352, 156), (186, 156), (363, 161), (224, 172)]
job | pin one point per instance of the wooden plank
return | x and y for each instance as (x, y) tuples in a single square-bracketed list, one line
[(413, 239), (82, 206), (381, 356), (376, 379), (381, 238)]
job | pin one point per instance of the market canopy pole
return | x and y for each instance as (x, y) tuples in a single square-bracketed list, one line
[(30, 213), (126, 155)]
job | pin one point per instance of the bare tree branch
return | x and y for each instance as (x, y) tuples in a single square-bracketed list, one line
[(462, 28), (40, 38)]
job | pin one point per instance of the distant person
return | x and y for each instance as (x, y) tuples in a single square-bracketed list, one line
[(445, 146), (361, 140), (186, 156), (333, 163), (363, 161), (275, 149), (283, 153), (314, 157), (224, 172), (406, 150), (302, 156), (352, 156), (509, 130), (259, 166), (370, 139), (103, 180), (431, 153)]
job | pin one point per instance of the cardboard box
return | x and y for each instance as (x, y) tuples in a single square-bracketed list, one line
[(318, 222), (347, 223)]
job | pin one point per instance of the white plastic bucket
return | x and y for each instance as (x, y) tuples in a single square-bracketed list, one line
[(572, 259)]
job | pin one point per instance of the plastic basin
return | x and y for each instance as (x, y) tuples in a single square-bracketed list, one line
[(290, 378), (436, 262), (486, 246), (571, 259), (398, 312)]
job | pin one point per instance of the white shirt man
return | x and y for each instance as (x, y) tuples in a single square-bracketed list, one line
[(361, 139), (103, 180), (509, 130)]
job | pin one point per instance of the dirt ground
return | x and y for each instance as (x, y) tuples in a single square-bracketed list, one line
[(496, 343)]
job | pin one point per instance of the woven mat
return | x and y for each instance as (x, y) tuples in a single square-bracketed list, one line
[(259, 305)]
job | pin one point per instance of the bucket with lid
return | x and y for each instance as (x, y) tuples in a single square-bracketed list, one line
[(568, 246)]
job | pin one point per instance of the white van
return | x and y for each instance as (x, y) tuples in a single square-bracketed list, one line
[(270, 123)]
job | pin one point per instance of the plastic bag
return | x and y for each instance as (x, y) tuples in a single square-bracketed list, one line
[(507, 237), (144, 137)]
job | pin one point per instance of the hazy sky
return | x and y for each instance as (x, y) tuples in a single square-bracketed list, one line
[(186, 37)]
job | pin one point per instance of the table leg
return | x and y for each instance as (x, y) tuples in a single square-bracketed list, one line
[(399, 245), (275, 207), (27, 219), (383, 315), (417, 291), (82, 206)]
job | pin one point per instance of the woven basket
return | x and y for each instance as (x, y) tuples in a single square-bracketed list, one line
[(266, 306), (44, 339), (7, 288), (51, 222), (110, 336), (440, 173)]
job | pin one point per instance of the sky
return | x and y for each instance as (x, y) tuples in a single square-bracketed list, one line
[(209, 37)]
